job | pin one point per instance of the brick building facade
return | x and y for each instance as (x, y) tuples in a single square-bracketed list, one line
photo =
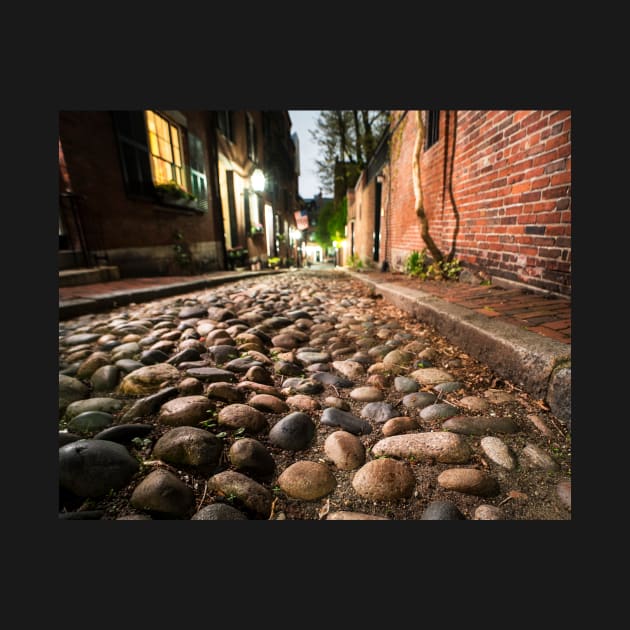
[(510, 179), (110, 208)]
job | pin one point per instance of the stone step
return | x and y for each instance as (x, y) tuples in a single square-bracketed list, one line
[(88, 275)]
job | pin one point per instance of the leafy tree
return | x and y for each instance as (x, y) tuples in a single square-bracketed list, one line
[(348, 136), (331, 223)]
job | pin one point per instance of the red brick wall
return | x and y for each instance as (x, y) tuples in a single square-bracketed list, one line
[(512, 189), (113, 221)]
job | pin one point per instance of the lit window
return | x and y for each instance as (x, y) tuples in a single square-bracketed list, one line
[(165, 150)]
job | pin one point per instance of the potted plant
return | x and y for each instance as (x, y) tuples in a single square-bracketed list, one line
[(172, 193)]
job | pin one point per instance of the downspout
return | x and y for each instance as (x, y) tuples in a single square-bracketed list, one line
[(217, 208)]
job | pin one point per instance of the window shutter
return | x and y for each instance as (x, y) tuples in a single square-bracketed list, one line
[(134, 153)]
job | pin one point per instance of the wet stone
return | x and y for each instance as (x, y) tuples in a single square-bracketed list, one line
[(399, 425), (499, 452), (148, 380), (352, 370), (238, 416), (91, 364), (149, 404), (405, 385), (384, 480), (345, 450), (468, 481), (152, 357), (163, 493), (307, 480), (128, 365), (345, 515), (366, 394), (334, 417), (75, 340), (267, 403), (105, 378), (442, 511), (219, 512), (190, 386), (124, 433), (193, 311), (294, 432), (449, 387), (438, 411), (184, 410), (488, 513), (431, 376), (479, 425), (379, 412), (309, 358), (418, 400), (287, 368), (190, 447), (327, 378), (90, 422), (337, 403), (443, 447), (70, 390), (301, 402), (252, 458), (223, 353), (91, 468), (253, 497), (534, 457), (211, 374), (105, 404)]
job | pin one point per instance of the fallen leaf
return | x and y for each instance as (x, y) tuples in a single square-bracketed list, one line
[(515, 494), (325, 509)]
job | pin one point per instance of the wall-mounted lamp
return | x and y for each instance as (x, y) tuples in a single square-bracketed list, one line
[(258, 181)]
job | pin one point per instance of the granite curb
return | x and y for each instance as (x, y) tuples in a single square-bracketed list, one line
[(106, 301), (539, 365)]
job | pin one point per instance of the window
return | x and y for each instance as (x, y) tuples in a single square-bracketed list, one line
[(433, 127), (224, 122), (152, 151), (198, 181), (131, 132), (251, 137), (165, 150)]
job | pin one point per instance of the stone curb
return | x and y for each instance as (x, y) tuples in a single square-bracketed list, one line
[(539, 365), (114, 299)]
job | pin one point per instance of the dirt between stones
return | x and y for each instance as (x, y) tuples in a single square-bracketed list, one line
[(525, 493)]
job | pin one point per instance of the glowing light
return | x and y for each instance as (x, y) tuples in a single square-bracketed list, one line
[(258, 180)]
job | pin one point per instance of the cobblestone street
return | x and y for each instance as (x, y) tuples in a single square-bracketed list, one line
[(301, 396)]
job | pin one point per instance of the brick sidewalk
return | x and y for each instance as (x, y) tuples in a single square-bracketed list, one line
[(545, 315)]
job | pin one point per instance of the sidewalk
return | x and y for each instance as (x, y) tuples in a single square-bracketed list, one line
[(101, 296)]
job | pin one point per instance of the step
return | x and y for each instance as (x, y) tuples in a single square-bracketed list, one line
[(88, 275)]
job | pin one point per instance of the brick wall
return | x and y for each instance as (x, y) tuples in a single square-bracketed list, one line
[(137, 234), (512, 188)]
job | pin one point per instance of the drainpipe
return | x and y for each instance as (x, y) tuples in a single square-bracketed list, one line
[(215, 196)]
